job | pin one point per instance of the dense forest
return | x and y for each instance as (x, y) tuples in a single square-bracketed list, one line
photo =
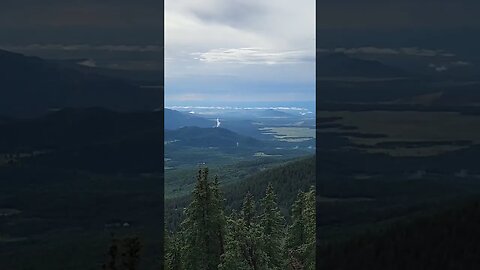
[(289, 178), (256, 236), (447, 239)]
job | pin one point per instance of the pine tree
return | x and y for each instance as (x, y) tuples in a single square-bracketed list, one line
[(113, 250), (207, 240), (309, 215), (234, 257), (248, 210), (296, 232), (203, 226), (244, 247), (218, 214), (167, 247), (301, 233), (173, 255), (123, 254), (131, 254), (252, 246), (272, 224)]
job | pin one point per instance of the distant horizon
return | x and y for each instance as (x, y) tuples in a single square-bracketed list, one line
[(232, 105)]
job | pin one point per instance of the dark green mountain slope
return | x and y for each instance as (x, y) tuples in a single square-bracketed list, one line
[(39, 85), (209, 137), (341, 65), (287, 180), (74, 128), (445, 240), (175, 120)]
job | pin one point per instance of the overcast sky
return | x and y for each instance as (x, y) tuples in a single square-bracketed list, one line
[(239, 50)]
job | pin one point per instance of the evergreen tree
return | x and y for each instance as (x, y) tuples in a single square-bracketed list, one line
[(173, 253), (131, 254), (248, 210), (247, 240), (296, 232), (244, 247), (301, 233), (272, 224), (218, 214), (309, 215), (234, 257), (123, 254), (113, 250), (167, 246), (251, 235), (203, 226)]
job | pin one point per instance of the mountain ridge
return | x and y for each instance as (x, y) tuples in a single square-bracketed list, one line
[(342, 65), (209, 137), (40, 85)]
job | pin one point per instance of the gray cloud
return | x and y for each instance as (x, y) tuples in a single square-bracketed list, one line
[(88, 63), (461, 63), (367, 50), (234, 12), (451, 65), (254, 56), (84, 47), (438, 68), (411, 51)]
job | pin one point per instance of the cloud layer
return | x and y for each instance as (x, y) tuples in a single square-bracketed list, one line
[(254, 56), (229, 50), (85, 47), (407, 51)]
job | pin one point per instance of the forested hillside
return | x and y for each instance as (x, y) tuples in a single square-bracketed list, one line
[(251, 237), (448, 239), (38, 85), (288, 179)]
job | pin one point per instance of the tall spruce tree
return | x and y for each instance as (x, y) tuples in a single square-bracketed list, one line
[(113, 254), (203, 226), (244, 248), (301, 233), (235, 256), (218, 214), (272, 224), (296, 232), (252, 246), (124, 254), (173, 252), (131, 252), (248, 210), (309, 215)]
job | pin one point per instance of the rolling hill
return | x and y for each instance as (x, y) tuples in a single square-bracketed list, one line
[(209, 137), (341, 65), (175, 120), (68, 128), (447, 239)]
